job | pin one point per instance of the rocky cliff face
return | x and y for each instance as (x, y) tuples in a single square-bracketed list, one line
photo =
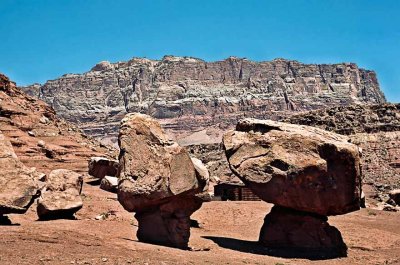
[(190, 95), (39, 138), (375, 128)]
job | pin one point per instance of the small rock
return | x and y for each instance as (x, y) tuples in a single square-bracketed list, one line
[(109, 183), (395, 196), (41, 143), (99, 167), (30, 133), (44, 120)]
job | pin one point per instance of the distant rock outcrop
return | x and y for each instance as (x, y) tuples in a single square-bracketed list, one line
[(158, 181), (188, 94), (308, 173)]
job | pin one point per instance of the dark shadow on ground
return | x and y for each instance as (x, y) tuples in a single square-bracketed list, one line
[(57, 216), (5, 221), (255, 248), (93, 182)]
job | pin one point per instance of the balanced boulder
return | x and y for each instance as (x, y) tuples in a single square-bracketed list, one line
[(99, 167), (308, 172), (18, 183), (60, 197), (158, 181), (298, 167)]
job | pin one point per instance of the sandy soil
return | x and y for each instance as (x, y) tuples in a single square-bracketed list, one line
[(227, 235)]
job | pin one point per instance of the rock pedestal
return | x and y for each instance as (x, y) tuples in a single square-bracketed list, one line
[(287, 229), (158, 181), (60, 197), (310, 171)]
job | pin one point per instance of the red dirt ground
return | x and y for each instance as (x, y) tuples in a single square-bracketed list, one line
[(228, 235)]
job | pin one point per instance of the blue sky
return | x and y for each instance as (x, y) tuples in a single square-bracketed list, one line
[(44, 39)]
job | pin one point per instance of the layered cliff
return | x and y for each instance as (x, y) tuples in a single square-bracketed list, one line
[(39, 138), (196, 99)]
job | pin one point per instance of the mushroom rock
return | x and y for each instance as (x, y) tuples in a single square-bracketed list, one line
[(60, 197), (158, 181), (300, 168), (18, 184)]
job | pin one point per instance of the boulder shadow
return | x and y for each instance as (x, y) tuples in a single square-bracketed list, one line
[(5, 221), (57, 216), (254, 247), (93, 182)]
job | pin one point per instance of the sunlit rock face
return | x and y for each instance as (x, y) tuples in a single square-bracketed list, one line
[(158, 181), (188, 94)]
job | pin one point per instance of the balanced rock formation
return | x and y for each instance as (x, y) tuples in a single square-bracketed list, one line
[(299, 168), (189, 94), (18, 183), (158, 181), (99, 167), (60, 197)]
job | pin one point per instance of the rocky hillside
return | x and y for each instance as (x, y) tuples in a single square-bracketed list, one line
[(190, 95), (38, 137)]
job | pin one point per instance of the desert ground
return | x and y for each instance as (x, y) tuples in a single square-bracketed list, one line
[(226, 235)]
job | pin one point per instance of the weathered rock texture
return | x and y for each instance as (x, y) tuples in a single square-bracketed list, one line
[(39, 138), (299, 167), (99, 167), (308, 173), (376, 129), (60, 197), (18, 184), (158, 181), (189, 94)]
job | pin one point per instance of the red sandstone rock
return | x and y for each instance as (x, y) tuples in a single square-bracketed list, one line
[(99, 167), (158, 181), (60, 197), (18, 183), (298, 167)]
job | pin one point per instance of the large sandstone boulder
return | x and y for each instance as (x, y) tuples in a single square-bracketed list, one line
[(298, 167), (99, 167), (307, 172), (158, 181), (60, 197), (18, 184)]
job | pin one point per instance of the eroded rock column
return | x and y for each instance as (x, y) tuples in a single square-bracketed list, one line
[(158, 182)]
